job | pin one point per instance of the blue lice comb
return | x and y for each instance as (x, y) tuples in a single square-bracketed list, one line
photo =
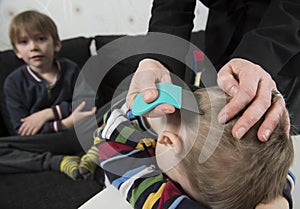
[(167, 94)]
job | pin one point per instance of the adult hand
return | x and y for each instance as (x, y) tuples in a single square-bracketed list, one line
[(148, 73), (248, 83), (33, 123), (278, 203)]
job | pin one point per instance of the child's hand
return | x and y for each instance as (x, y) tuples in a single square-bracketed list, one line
[(33, 123), (278, 203), (77, 115)]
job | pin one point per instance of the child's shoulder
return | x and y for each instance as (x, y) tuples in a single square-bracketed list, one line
[(67, 65), (66, 62), (17, 73)]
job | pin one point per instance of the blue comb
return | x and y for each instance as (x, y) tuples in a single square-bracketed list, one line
[(167, 94)]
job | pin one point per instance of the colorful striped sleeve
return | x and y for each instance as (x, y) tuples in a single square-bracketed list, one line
[(127, 155), (138, 178)]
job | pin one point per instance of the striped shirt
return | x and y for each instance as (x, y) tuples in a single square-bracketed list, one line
[(128, 157)]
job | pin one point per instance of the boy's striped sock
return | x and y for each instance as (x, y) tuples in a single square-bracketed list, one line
[(69, 165), (88, 163)]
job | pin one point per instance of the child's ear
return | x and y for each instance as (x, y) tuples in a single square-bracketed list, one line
[(171, 140), (57, 46)]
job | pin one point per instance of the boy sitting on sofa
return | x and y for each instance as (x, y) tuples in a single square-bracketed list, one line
[(165, 171), (38, 97)]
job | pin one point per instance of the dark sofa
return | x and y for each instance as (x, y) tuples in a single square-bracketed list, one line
[(51, 189), (48, 189)]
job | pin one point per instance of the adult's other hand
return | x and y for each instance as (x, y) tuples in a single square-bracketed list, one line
[(251, 87)]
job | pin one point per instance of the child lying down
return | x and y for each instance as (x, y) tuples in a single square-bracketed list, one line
[(156, 163)]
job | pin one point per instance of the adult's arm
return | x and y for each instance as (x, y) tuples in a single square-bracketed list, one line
[(173, 16), (276, 40)]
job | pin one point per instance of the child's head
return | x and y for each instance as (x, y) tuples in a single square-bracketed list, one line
[(33, 35), (239, 173)]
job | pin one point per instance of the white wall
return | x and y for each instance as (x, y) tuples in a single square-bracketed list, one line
[(89, 17)]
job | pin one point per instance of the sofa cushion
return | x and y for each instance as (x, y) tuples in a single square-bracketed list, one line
[(100, 41), (76, 49)]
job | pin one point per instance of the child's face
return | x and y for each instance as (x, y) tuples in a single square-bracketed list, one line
[(170, 148), (36, 49), (167, 146)]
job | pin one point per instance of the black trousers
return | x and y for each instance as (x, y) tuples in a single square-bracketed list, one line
[(45, 151), (37, 153)]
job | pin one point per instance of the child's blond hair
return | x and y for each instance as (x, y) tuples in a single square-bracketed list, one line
[(32, 21), (239, 173)]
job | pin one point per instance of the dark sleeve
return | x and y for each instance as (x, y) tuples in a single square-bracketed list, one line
[(17, 109), (83, 91), (51, 127), (70, 71), (174, 17), (74, 90), (14, 104), (276, 40), (62, 110)]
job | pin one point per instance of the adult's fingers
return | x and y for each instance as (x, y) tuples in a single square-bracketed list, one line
[(272, 118), (254, 93), (149, 92), (243, 73), (147, 75), (161, 110), (227, 81), (142, 82), (260, 103)]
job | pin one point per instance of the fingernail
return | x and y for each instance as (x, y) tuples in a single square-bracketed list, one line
[(167, 111), (240, 132), (233, 91), (266, 135), (148, 95), (222, 119)]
